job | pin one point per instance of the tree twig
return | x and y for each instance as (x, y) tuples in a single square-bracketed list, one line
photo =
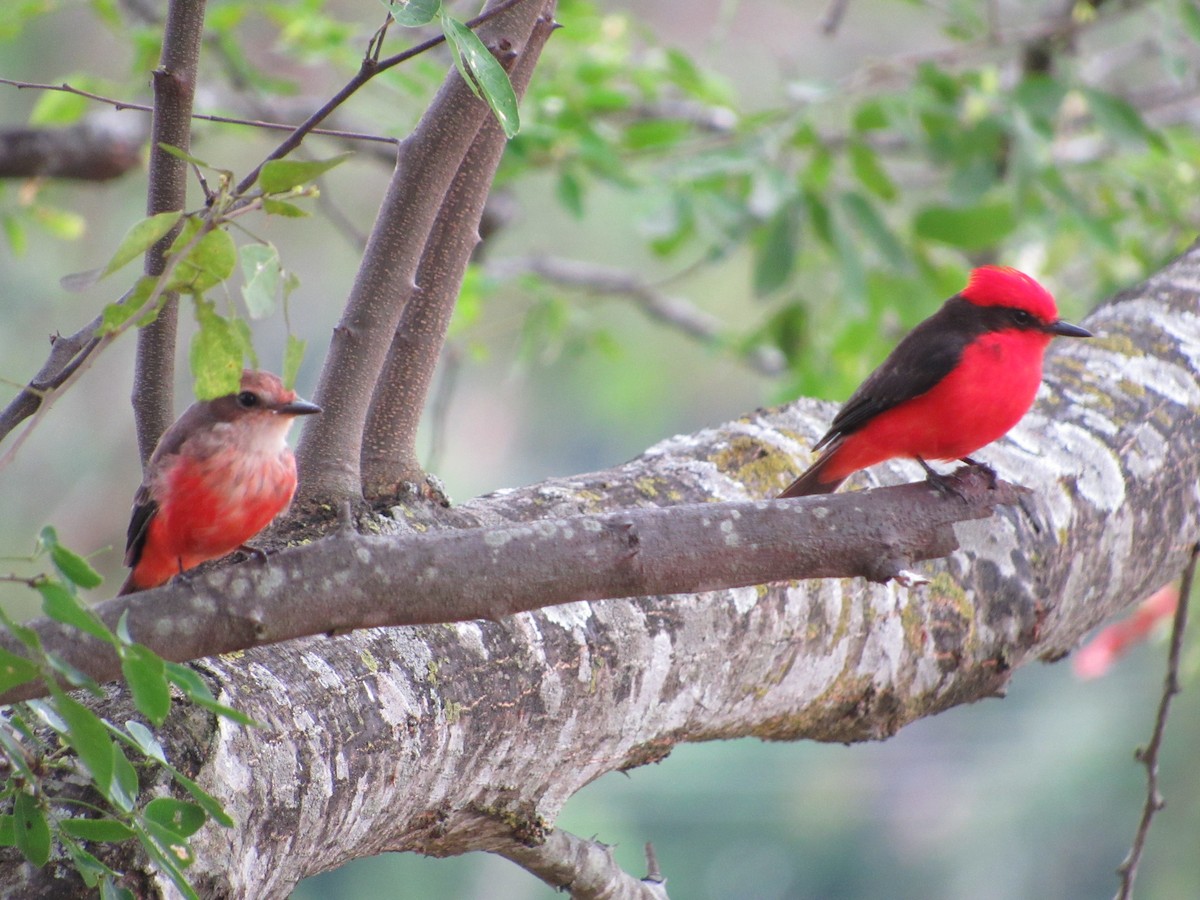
[(584, 868), (369, 69), (1148, 755), (675, 312), (203, 117)]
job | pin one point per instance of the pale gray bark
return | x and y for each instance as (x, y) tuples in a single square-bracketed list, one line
[(450, 738)]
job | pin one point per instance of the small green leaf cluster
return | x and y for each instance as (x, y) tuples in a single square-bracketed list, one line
[(202, 255), (61, 734)]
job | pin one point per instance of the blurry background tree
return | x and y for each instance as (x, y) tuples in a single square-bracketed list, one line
[(708, 206)]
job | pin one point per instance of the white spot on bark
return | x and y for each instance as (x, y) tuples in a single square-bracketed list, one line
[(743, 599), (471, 637), (363, 554), (326, 676), (498, 538), (568, 616)]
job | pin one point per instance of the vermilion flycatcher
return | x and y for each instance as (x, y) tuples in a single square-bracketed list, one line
[(959, 380), (217, 477)]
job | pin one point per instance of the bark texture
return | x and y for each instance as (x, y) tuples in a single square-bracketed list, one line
[(449, 738)]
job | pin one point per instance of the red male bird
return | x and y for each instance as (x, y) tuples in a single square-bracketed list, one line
[(959, 380), (218, 477)]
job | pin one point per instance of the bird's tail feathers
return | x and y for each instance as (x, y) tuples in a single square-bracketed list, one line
[(811, 481)]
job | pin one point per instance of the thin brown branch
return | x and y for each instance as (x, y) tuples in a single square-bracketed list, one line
[(586, 869), (66, 355), (330, 451), (389, 454), (203, 117), (174, 91), (1148, 755), (672, 311), (487, 573)]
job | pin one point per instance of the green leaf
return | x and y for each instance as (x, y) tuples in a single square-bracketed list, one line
[(242, 328), (117, 314), (281, 175), (172, 150), (485, 76), (971, 228), (32, 831), (210, 261), (650, 134), (168, 853), (170, 844), (144, 671), (111, 891), (569, 191), (125, 787), (189, 681), (15, 670), (145, 740), (293, 356), (282, 208), (96, 829), (8, 830), (870, 116), (58, 108), (61, 223), (1189, 16), (869, 171), (90, 869), (1120, 121), (866, 219), (776, 256), (854, 278), (413, 13), (74, 677), (216, 354), (182, 818), (261, 271), (86, 734), (14, 231), (74, 567), (140, 238), (207, 801), (1040, 97), (63, 606)]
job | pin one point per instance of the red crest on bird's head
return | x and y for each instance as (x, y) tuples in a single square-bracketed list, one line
[(1004, 286)]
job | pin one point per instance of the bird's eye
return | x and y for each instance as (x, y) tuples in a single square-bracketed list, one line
[(247, 399), (1022, 318)]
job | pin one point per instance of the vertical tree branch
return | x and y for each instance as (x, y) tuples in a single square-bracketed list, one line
[(329, 453), (174, 90), (389, 451)]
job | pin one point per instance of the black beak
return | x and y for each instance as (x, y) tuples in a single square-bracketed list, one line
[(1066, 329), (298, 408)]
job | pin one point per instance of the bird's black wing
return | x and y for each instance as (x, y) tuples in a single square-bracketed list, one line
[(145, 508), (925, 356)]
